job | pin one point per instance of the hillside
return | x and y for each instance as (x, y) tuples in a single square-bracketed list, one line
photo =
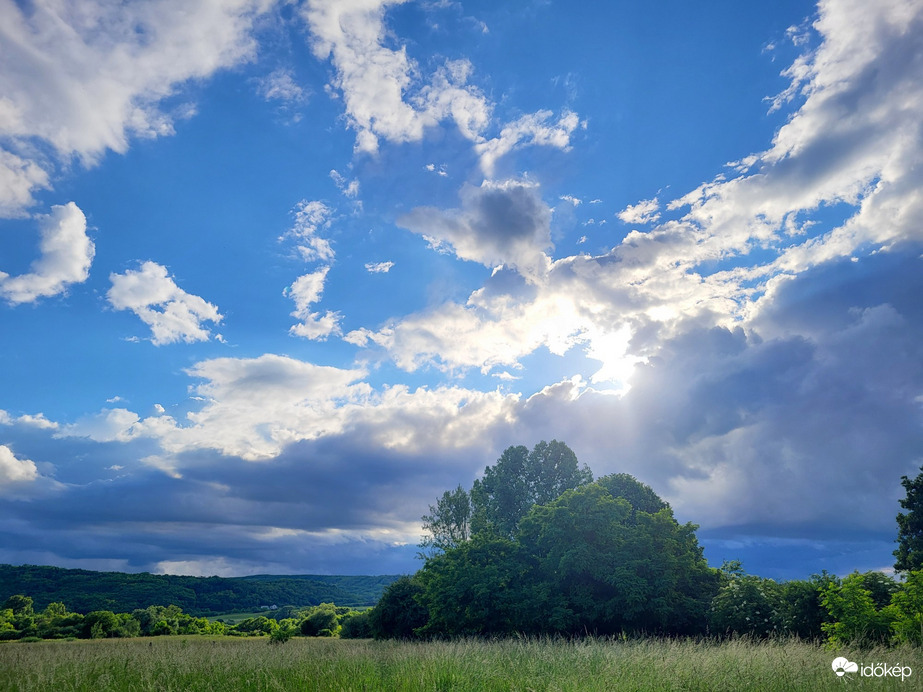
[(84, 590)]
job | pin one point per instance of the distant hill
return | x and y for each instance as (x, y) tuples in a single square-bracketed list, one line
[(83, 590)]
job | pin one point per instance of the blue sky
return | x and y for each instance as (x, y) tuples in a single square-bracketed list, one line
[(275, 275)]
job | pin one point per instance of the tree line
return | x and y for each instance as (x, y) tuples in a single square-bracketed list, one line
[(20, 621), (538, 547), (85, 591)]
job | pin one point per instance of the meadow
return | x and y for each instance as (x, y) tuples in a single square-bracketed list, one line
[(187, 664)]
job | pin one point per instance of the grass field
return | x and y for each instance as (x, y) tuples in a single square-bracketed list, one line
[(184, 664)]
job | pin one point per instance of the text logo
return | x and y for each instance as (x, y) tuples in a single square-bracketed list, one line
[(841, 666)]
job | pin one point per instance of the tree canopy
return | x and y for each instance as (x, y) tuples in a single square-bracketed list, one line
[(909, 551), (551, 552), (520, 479)]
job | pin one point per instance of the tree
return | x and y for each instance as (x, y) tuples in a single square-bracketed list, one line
[(909, 551), (519, 480), (854, 618), (480, 588), (448, 522), (907, 610), (356, 625), (747, 604), (603, 571), (640, 496), (399, 614), (801, 612), (321, 621), (19, 604)]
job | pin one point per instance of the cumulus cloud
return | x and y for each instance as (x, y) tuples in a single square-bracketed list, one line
[(645, 211), (306, 291), (66, 255), (385, 98), (15, 470), (498, 223), (171, 313), (660, 281), (85, 78)]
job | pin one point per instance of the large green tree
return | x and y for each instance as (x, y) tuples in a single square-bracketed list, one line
[(399, 614), (520, 479), (480, 588), (909, 551), (448, 523), (606, 568)]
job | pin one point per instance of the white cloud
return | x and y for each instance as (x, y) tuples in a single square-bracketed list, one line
[(37, 420), (67, 253), (646, 211), (86, 77), (378, 267), (19, 178), (171, 313), (15, 470), (109, 425), (281, 85), (533, 128), (349, 188), (438, 170), (385, 97), (306, 291), (498, 223), (311, 216), (661, 281)]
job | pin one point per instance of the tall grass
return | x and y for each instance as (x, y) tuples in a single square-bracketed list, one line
[(187, 664)]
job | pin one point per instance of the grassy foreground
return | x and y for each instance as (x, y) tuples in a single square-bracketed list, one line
[(185, 664)]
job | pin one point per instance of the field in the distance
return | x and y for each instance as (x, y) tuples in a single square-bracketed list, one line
[(186, 664)]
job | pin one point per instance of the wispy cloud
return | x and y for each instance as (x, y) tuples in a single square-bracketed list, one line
[(378, 267)]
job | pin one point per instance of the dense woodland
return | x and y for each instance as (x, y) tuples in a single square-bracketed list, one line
[(535, 547), (85, 591)]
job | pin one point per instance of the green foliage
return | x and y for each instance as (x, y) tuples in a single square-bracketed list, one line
[(800, 611), (519, 480), (641, 497), (84, 590), (479, 588), (448, 522), (854, 618), (747, 605), (399, 614), (19, 604), (282, 634), (321, 621), (907, 610), (604, 568), (356, 625), (909, 551)]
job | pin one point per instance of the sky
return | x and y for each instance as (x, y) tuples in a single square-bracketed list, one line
[(274, 275)]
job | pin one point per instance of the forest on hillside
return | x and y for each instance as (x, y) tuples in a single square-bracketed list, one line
[(84, 591)]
